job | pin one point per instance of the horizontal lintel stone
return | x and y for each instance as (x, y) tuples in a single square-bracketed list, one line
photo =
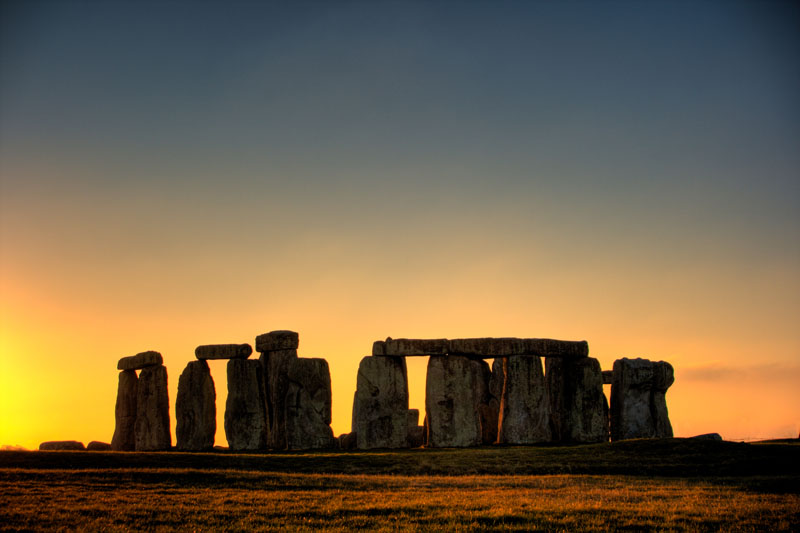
[(223, 351), (486, 347), (275, 341), (140, 360)]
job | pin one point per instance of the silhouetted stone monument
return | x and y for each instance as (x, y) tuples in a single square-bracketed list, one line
[(524, 407), (382, 403), (97, 446), (578, 407), (195, 408), (455, 390), (485, 347), (152, 430), (124, 438), (140, 361), (308, 405), (278, 350), (245, 409), (638, 403), (223, 351), (61, 445)]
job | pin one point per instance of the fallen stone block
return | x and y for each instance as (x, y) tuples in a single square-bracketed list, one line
[(140, 360), (404, 347), (97, 446), (61, 445), (196, 408), (348, 441), (223, 351), (277, 340), (245, 408), (124, 438), (382, 403), (708, 436), (152, 428)]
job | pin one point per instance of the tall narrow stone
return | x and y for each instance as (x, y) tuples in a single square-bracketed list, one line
[(125, 412), (524, 410), (456, 391), (382, 403), (308, 405), (276, 380), (578, 411), (638, 404), (245, 409), (152, 410), (195, 408)]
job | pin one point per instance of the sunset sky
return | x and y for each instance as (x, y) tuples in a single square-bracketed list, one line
[(183, 173)]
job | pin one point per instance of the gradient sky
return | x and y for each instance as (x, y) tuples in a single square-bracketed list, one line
[(184, 173)]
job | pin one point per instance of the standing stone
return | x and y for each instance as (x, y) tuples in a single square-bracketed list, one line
[(195, 408), (638, 403), (382, 403), (578, 412), (308, 405), (455, 390), (245, 409), (275, 366), (524, 409), (124, 438), (152, 410)]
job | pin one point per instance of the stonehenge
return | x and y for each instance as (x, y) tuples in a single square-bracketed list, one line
[(535, 391)]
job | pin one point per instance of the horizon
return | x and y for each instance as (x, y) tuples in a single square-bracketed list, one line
[(180, 174)]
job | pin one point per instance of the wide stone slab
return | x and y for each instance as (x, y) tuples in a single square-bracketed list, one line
[(483, 347), (638, 403), (140, 360), (403, 347), (223, 351), (308, 405), (61, 445), (382, 403), (277, 340), (524, 407), (578, 407)]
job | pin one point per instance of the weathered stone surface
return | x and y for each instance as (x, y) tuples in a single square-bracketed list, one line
[(97, 446), (308, 405), (140, 360), (245, 409), (276, 373), (61, 445), (196, 408), (608, 377), (152, 430), (507, 346), (279, 340), (382, 398), (708, 436), (354, 416), (638, 403), (578, 412), (416, 437), (348, 441), (524, 409), (124, 438), (403, 347), (413, 418), (223, 351), (455, 390)]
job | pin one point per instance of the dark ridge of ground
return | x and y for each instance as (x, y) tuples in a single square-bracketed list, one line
[(655, 457)]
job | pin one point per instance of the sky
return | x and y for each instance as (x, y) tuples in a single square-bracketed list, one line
[(182, 173)]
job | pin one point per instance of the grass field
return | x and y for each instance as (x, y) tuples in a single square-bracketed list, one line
[(638, 485)]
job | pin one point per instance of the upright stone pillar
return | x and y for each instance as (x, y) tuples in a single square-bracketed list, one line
[(125, 412), (152, 426), (382, 403), (278, 351), (455, 392), (578, 409), (308, 405), (195, 408), (245, 409), (524, 408), (638, 403)]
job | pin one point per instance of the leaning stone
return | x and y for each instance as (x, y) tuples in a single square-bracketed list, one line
[(140, 360), (638, 404), (524, 409), (275, 366), (404, 347), (61, 445), (275, 341), (578, 412), (97, 446), (124, 438), (245, 409), (152, 429), (196, 408), (382, 398), (455, 389), (308, 405), (223, 351)]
